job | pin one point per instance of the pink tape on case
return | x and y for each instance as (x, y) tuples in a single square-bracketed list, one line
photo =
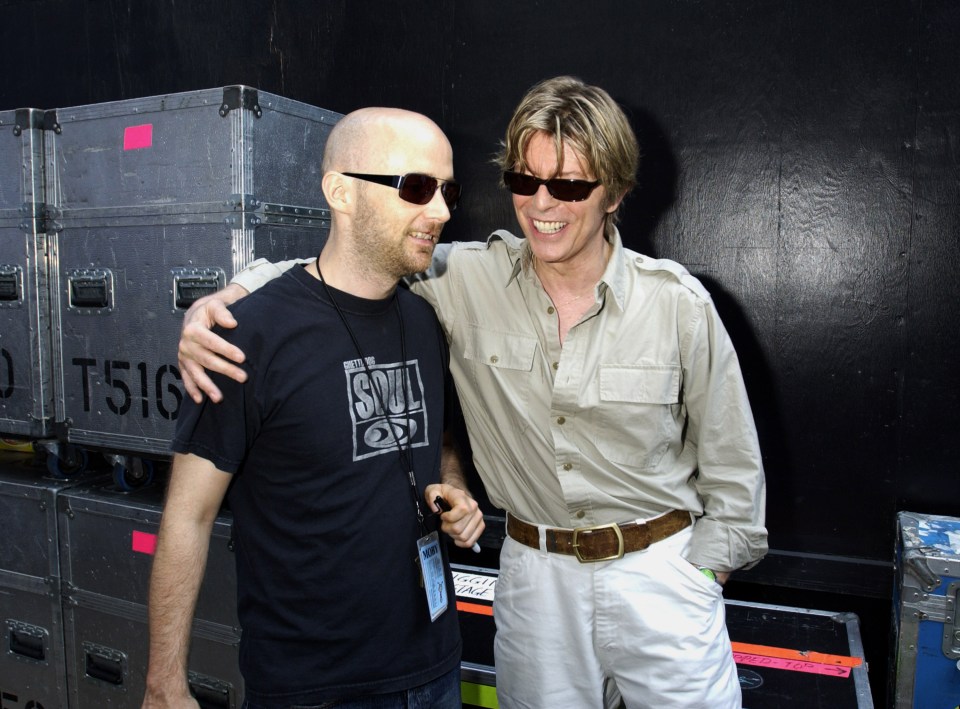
[(138, 137), (144, 542), (779, 663)]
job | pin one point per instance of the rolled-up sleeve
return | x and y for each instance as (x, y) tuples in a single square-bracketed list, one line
[(261, 272), (730, 477)]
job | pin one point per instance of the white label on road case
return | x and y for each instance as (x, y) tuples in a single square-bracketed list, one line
[(476, 587)]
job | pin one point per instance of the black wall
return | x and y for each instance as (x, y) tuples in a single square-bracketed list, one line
[(802, 158)]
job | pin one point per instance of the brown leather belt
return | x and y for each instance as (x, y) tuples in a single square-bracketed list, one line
[(603, 542)]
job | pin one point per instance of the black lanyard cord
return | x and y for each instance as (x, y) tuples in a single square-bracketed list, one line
[(406, 459)]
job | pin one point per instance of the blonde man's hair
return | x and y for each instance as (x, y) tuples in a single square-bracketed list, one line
[(586, 117)]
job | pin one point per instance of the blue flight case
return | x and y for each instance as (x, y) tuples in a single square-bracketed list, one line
[(926, 596)]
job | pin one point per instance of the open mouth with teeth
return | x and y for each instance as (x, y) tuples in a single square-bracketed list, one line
[(548, 227)]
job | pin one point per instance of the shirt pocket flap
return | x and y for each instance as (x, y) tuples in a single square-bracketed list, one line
[(502, 350), (640, 384)]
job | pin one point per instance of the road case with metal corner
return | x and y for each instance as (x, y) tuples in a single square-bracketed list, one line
[(151, 204), (798, 657), (786, 657), (107, 540), (32, 669), (474, 588), (26, 395), (926, 596)]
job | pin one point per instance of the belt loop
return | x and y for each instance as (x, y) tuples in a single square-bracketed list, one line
[(542, 539)]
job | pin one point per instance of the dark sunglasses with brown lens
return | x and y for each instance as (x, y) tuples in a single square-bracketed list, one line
[(415, 187), (564, 190)]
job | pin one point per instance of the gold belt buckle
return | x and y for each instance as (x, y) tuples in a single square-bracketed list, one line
[(576, 546)]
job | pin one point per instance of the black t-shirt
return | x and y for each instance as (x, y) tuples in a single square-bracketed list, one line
[(329, 595)]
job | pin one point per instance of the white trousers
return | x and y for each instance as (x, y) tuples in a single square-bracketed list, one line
[(648, 628)]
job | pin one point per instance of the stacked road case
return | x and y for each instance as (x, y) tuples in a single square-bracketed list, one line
[(114, 219), (75, 564), (26, 397), (926, 598), (107, 540), (151, 204), (32, 656)]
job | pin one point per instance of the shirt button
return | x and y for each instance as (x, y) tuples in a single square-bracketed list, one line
[(494, 359), (551, 310), (568, 466), (581, 514), (561, 420), (556, 365)]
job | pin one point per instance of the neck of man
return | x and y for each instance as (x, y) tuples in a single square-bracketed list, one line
[(341, 272), (566, 281)]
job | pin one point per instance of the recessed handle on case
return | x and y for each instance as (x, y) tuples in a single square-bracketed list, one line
[(916, 563), (210, 693), (9, 287), (89, 292), (27, 643), (190, 290), (104, 666), (192, 283)]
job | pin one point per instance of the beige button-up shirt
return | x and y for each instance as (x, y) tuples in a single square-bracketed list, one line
[(642, 410)]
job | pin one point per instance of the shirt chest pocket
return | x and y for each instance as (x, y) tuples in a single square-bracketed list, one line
[(501, 367), (500, 350), (636, 419), (640, 384)]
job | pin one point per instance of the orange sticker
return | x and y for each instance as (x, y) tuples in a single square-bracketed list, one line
[(797, 655), (778, 663)]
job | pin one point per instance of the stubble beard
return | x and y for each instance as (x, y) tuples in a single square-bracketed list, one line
[(381, 251)]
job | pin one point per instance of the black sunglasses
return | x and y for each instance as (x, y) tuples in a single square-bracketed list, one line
[(564, 190), (416, 188)]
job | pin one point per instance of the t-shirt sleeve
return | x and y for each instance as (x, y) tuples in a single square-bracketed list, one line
[(220, 432)]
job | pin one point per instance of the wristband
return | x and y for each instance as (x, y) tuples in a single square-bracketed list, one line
[(708, 573)]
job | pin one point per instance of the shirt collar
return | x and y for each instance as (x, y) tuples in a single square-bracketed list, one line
[(614, 275), (517, 249)]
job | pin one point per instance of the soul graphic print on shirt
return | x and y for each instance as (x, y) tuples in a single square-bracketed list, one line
[(386, 406)]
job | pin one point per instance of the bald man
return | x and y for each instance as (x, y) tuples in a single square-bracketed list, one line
[(329, 453)]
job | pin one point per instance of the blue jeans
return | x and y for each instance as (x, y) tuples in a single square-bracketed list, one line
[(441, 693)]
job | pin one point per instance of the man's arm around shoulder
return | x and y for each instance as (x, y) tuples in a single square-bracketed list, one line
[(200, 349), (195, 492)]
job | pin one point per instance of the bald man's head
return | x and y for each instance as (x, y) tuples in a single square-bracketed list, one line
[(383, 140), (377, 231)]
